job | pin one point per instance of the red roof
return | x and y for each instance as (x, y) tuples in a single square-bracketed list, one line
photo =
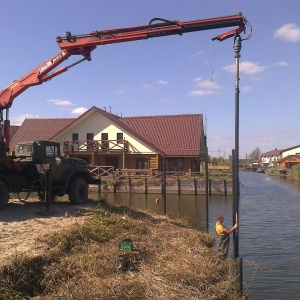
[(177, 135), (271, 153), (38, 129), (289, 158), (13, 130)]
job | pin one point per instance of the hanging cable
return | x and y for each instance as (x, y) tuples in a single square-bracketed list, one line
[(250, 33), (214, 63)]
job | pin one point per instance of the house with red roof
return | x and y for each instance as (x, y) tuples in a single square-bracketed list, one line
[(105, 139), (270, 158), (284, 158), (295, 150), (288, 162)]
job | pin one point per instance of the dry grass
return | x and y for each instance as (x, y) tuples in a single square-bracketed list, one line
[(168, 261)]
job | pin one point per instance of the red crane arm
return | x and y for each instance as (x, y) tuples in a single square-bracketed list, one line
[(151, 30), (85, 44), (37, 76)]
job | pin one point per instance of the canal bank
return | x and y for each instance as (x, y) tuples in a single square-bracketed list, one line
[(269, 239)]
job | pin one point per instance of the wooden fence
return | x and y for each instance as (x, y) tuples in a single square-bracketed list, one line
[(146, 181)]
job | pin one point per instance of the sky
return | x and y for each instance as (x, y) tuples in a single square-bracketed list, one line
[(186, 74)]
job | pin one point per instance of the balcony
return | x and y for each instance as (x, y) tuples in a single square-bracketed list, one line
[(99, 146)]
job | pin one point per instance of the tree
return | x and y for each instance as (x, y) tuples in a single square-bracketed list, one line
[(255, 154)]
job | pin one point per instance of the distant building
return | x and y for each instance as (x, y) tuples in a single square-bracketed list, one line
[(270, 158), (288, 162), (276, 158), (290, 151)]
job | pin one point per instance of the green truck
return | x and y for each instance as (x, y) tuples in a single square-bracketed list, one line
[(39, 167)]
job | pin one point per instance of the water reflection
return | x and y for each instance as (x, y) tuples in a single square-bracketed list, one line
[(190, 207)]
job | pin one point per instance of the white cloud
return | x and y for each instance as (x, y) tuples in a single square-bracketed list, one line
[(246, 67), (147, 86), (18, 120), (195, 54), (120, 92), (163, 82), (215, 137), (123, 89), (281, 64), (198, 79), (245, 89), (196, 93), (288, 32), (258, 78), (209, 84), (79, 111), (208, 87), (60, 102)]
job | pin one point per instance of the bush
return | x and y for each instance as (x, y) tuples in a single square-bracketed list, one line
[(294, 172)]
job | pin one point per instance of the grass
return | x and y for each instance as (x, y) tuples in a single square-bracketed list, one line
[(169, 260)]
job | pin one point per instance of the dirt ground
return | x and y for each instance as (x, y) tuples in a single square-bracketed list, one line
[(21, 223)]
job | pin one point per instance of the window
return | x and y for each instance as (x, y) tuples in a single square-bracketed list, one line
[(104, 140), (75, 145), (25, 149), (52, 151), (174, 164), (89, 141), (120, 137), (142, 163), (112, 161), (90, 136)]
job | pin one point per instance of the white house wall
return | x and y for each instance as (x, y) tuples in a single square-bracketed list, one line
[(96, 123), (295, 151)]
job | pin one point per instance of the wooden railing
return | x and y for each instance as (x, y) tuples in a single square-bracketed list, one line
[(109, 171), (150, 181), (95, 146), (101, 171)]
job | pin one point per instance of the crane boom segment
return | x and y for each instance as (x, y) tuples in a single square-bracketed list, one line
[(152, 30)]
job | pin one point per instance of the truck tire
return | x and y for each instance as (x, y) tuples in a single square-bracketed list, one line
[(4, 194), (78, 191)]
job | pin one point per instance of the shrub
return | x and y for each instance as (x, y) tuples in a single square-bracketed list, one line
[(294, 173)]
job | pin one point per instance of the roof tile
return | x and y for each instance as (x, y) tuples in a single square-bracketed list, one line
[(39, 129), (175, 134)]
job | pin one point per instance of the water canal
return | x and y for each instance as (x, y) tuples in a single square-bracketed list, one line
[(269, 233)]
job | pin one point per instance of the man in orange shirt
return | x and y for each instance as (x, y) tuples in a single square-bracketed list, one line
[(223, 236)]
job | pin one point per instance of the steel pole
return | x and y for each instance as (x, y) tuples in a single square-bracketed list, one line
[(206, 188), (237, 48)]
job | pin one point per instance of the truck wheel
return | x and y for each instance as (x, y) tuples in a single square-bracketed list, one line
[(78, 191), (4, 195)]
